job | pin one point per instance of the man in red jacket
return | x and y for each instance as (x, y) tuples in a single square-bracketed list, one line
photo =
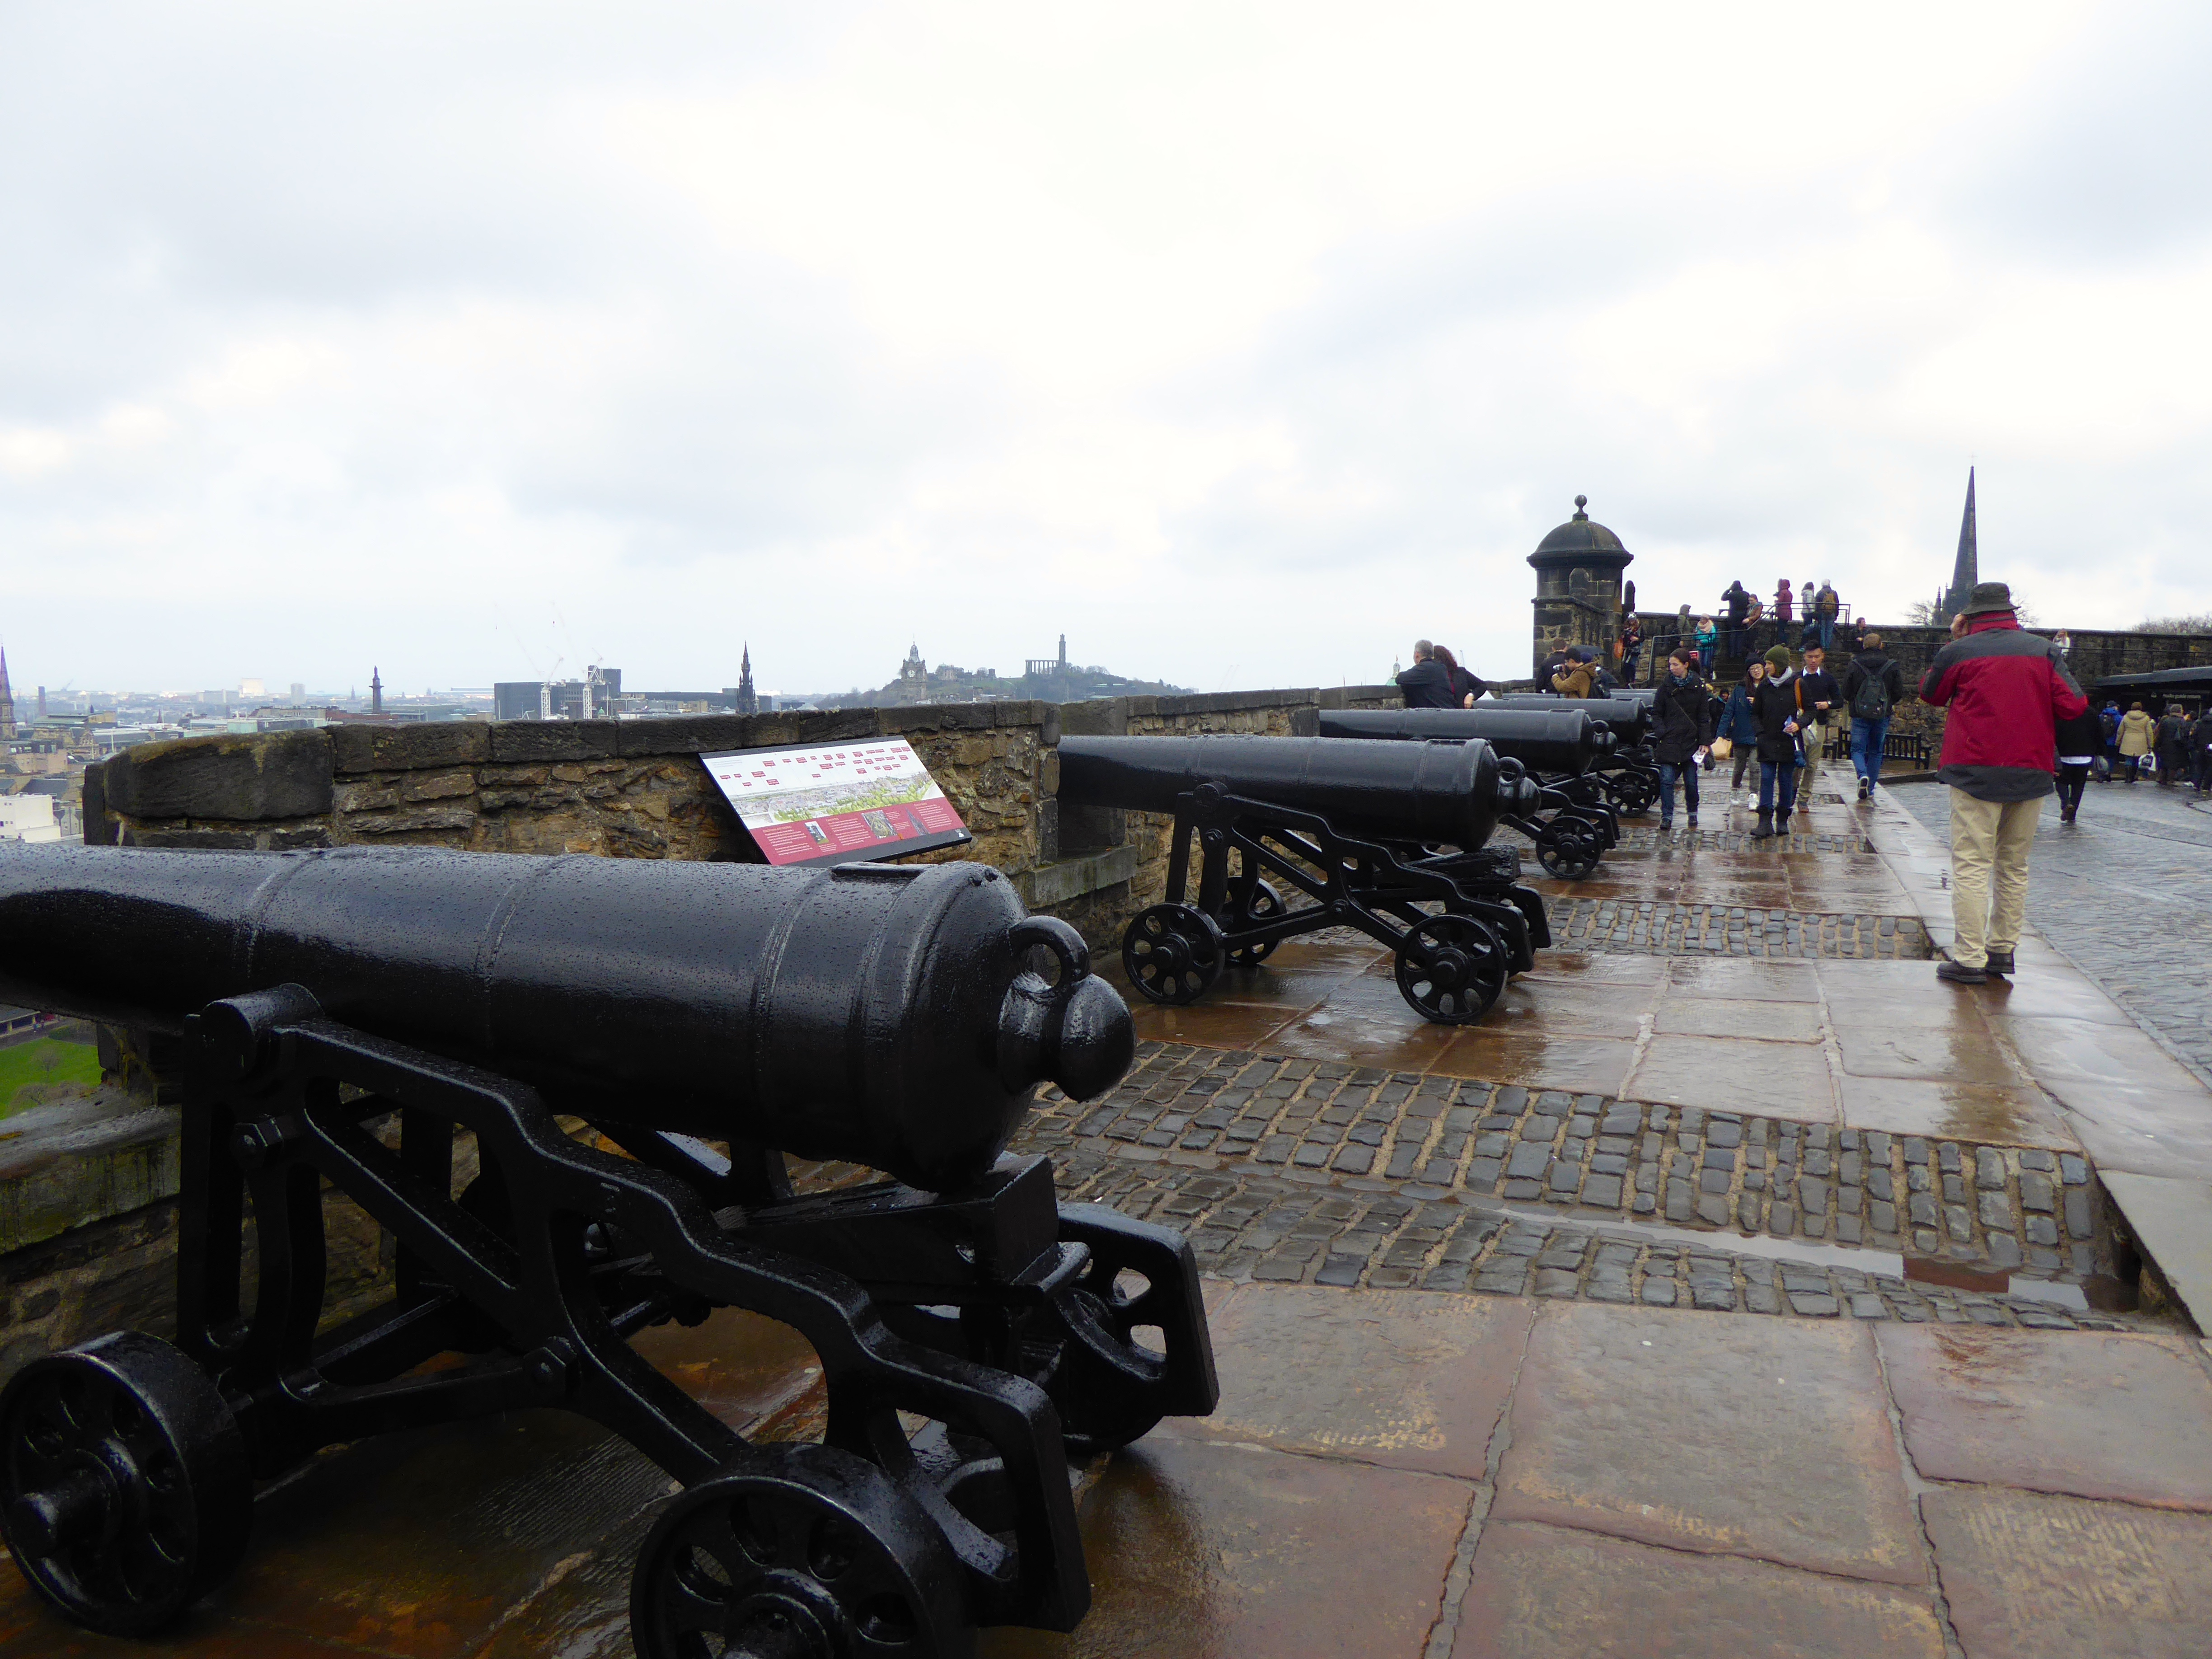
[(2006, 690)]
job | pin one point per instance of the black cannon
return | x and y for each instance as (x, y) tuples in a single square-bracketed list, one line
[(1373, 834), (1572, 823), (387, 1020), (1629, 776)]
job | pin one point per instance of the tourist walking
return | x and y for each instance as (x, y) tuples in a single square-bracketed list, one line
[(1827, 607), (1774, 704), (2006, 691), (1819, 698), (1706, 637), (2078, 740), (1631, 646), (1872, 685), (1786, 612), (2200, 746), (2137, 733), (1738, 723), (1427, 683), (2111, 718), (1681, 731), (2173, 747)]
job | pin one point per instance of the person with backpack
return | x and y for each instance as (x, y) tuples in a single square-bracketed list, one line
[(1827, 607), (1872, 685), (2111, 721), (2173, 740), (2200, 748), (2077, 741)]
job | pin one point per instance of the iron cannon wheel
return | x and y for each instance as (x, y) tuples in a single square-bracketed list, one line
[(1567, 848), (124, 1490), (1172, 953), (1451, 968), (1631, 791), (1253, 900), (798, 1552)]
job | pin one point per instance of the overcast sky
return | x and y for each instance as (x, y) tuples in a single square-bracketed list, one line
[(1241, 343)]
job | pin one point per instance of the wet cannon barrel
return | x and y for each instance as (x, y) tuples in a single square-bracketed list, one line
[(1543, 740), (1436, 794), (1629, 718), (880, 1014)]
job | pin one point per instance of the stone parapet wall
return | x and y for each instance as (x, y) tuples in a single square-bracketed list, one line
[(619, 789)]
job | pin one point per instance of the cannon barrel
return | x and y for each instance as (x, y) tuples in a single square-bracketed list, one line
[(880, 1014), (1431, 793), (1630, 718), (1541, 740)]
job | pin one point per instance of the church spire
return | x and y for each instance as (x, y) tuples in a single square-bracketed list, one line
[(1966, 570), (7, 699)]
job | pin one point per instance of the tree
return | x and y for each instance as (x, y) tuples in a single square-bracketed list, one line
[(2199, 624), (1921, 613)]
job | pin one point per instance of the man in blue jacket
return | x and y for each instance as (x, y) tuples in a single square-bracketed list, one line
[(2006, 690)]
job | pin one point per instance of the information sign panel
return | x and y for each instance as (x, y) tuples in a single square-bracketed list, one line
[(829, 803)]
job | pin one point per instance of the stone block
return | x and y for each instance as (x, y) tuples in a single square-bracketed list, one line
[(410, 748), (240, 779), (522, 742)]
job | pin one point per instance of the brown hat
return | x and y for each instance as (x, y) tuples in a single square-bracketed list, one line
[(1986, 598)]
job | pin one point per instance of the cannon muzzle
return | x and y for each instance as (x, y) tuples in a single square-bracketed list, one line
[(1438, 793), (1542, 740), (1628, 718), (886, 1015)]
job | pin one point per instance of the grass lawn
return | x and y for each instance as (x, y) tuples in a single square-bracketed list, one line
[(44, 1061)]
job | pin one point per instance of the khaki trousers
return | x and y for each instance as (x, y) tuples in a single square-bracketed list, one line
[(1815, 735), (1987, 909)]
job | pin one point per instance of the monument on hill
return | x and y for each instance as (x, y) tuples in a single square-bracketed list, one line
[(1577, 601)]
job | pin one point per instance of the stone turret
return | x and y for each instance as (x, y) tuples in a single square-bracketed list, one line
[(1577, 601)]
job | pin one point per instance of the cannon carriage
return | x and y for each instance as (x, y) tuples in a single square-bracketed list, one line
[(1299, 833), (1572, 824), (371, 1018), (1629, 775)]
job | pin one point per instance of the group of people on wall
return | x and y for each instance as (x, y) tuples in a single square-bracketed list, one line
[(1746, 626)]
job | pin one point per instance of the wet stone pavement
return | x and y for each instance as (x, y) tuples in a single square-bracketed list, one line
[(2125, 893), (1699, 1301)]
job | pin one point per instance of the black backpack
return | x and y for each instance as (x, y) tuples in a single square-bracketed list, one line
[(1871, 701)]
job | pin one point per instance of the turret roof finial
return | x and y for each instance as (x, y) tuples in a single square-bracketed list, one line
[(1581, 501)]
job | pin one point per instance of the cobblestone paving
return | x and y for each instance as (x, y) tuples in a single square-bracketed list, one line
[(1280, 1230), (1659, 927), (2125, 894), (1999, 1208), (1262, 1163)]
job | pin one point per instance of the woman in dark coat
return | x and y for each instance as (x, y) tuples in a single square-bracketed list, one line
[(1681, 731), (2172, 737), (1774, 705)]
